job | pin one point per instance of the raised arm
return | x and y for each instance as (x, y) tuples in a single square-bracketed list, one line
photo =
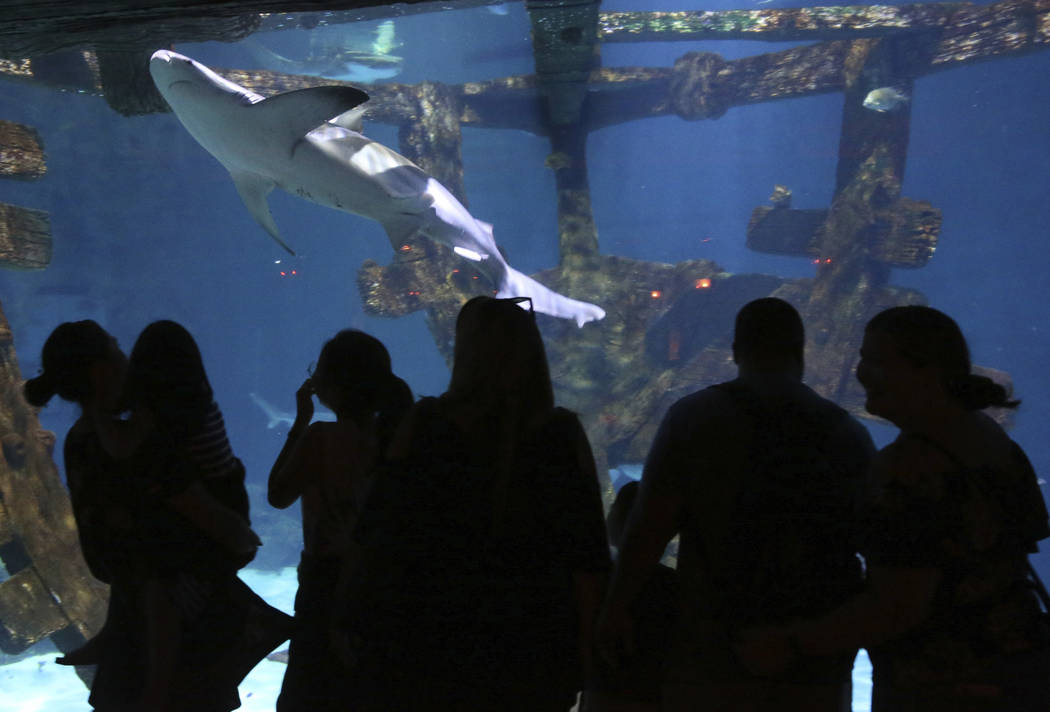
[(297, 460)]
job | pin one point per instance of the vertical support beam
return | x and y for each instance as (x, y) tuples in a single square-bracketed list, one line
[(50, 590), (565, 45), (434, 142), (577, 233), (849, 285)]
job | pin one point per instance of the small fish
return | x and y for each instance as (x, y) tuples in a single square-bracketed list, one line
[(884, 99)]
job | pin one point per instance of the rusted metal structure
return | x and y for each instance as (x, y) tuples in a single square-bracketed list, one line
[(666, 331)]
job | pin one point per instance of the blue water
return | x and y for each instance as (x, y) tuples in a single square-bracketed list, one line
[(147, 225)]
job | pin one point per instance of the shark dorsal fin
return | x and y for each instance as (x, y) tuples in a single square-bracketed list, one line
[(301, 111)]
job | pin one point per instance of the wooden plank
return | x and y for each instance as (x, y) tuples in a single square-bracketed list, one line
[(53, 591), (7, 533), (21, 153), (28, 613), (25, 238)]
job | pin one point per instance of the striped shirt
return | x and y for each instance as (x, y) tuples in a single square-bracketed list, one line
[(209, 449)]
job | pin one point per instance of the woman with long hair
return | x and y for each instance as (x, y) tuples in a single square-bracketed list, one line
[(484, 537)]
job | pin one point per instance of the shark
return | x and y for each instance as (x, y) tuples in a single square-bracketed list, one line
[(276, 416), (349, 53), (309, 143), (345, 65)]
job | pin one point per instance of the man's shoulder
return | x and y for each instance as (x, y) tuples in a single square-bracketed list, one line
[(709, 402)]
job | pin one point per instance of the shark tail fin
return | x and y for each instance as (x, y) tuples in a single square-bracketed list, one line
[(547, 301)]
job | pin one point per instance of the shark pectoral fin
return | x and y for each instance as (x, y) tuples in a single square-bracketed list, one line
[(253, 189), (351, 120), (297, 113)]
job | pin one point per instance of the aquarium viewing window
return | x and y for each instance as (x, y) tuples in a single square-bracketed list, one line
[(720, 155)]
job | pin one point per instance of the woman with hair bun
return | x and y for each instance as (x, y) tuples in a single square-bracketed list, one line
[(328, 466), (949, 615), (83, 364)]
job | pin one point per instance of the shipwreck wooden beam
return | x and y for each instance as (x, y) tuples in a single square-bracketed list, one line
[(25, 234), (775, 25), (700, 85), (25, 238), (564, 45), (425, 275), (21, 153), (903, 234), (50, 592), (850, 287), (28, 614)]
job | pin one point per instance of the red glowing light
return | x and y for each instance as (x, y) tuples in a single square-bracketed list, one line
[(294, 272), (283, 274), (703, 283), (827, 260), (406, 248)]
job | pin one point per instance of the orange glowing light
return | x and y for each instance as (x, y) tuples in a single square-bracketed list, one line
[(284, 274), (656, 294), (703, 283), (406, 248)]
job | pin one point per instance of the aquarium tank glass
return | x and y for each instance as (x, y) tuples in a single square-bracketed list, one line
[(655, 165)]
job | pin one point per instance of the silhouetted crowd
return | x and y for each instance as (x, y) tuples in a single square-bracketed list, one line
[(456, 555)]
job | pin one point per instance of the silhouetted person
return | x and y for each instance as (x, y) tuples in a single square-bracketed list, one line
[(947, 614), (168, 547), (485, 544), (636, 684), (761, 477), (328, 467)]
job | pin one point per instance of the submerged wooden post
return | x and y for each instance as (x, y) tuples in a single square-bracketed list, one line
[(850, 286), (50, 591), (424, 274)]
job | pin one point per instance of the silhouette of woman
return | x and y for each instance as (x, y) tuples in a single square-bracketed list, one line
[(328, 466), (484, 537)]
